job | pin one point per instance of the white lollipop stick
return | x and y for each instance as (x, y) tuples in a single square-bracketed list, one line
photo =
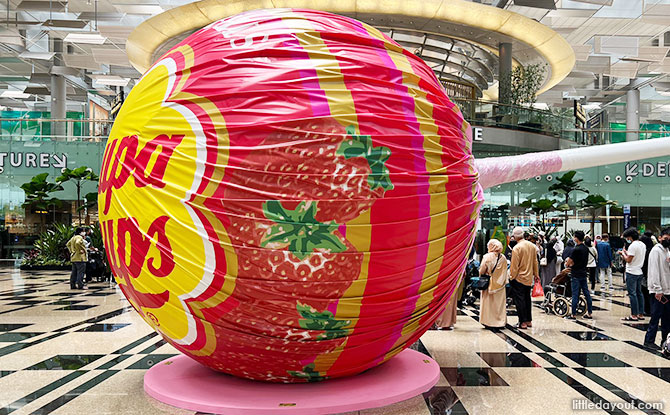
[(498, 170)]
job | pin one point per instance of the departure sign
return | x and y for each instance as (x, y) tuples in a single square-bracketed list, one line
[(659, 169), (32, 160)]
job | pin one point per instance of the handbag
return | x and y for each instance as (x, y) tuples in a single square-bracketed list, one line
[(595, 258), (543, 260), (484, 280)]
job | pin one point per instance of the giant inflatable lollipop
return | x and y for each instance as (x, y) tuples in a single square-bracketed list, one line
[(289, 196)]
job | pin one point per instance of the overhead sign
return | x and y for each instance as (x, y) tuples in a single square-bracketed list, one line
[(116, 104), (477, 134), (32, 160), (659, 169), (626, 216), (580, 115), (596, 121)]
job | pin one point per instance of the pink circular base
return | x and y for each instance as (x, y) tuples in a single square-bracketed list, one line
[(184, 383)]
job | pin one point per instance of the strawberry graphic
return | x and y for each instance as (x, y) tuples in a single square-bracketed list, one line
[(318, 160), (294, 255), (284, 211)]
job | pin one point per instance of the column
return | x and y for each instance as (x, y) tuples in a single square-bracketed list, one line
[(504, 72), (632, 114), (58, 92)]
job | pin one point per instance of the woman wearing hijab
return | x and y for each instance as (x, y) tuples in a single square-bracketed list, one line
[(493, 313), (548, 272)]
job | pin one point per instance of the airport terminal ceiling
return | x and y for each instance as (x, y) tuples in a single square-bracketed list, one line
[(290, 197), (617, 45)]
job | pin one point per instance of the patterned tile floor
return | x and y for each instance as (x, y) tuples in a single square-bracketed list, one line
[(85, 352)]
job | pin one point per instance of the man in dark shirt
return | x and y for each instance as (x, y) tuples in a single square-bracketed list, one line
[(649, 243), (577, 262)]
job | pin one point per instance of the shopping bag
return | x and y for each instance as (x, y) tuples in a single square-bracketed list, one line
[(537, 290)]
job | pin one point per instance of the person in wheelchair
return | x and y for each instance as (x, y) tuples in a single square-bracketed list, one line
[(558, 296), (560, 283)]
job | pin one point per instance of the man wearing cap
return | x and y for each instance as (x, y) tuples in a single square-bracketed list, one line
[(523, 272)]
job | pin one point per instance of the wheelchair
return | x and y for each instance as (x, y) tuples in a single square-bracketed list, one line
[(558, 300)]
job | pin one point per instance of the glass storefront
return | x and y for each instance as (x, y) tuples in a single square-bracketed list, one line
[(20, 161), (642, 185)]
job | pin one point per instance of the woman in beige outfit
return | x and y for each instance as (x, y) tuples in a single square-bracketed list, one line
[(493, 312), (447, 319)]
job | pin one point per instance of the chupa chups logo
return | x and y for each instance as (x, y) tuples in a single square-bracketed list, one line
[(150, 204), (139, 246), (127, 229), (135, 163)]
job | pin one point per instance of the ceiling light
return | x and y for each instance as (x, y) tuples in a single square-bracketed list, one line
[(664, 93), (41, 6), (105, 92), (45, 56), (111, 16), (64, 24), (92, 38), (112, 80), (139, 8), (14, 94), (11, 37), (600, 2)]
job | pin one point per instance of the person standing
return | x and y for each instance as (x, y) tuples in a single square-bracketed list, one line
[(634, 258), (605, 258), (558, 247), (577, 262), (78, 256), (447, 320), (523, 272), (510, 248), (648, 240), (89, 233), (548, 271), (494, 300), (592, 262), (659, 287)]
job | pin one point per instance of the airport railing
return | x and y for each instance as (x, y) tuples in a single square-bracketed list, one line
[(493, 114), (46, 129)]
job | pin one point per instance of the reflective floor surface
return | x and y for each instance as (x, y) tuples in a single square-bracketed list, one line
[(85, 352)]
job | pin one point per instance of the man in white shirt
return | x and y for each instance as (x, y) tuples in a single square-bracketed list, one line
[(634, 257), (658, 278)]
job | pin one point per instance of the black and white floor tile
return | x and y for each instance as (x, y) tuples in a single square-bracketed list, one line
[(85, 352)]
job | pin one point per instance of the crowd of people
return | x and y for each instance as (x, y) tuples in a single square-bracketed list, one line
[(530, 260)]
